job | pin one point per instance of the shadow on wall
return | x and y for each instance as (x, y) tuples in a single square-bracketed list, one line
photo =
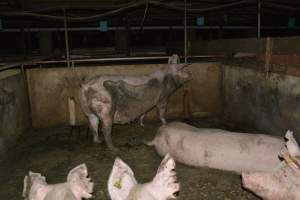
[(14, 112), (7, 112), (267, 103)]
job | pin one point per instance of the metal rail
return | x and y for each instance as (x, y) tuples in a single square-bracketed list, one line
[(39, 63)]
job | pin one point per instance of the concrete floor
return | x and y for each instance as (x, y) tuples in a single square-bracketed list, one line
[(53, 153)]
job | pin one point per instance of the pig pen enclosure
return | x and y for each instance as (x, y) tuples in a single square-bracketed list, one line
[(254, 91)]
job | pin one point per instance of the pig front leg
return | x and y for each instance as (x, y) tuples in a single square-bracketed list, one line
[(161, 110), (94, 125)]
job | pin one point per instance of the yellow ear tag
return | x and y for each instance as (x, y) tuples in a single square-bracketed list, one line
[(118, 184), (288, 160)]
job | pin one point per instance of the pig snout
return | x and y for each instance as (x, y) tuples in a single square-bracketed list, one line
[(247, 180)]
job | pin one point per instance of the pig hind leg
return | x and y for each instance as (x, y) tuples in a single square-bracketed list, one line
[(107, 121), (161, 110), (142, 120), (94, 125)]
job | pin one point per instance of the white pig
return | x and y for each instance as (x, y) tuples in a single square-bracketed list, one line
[(281, 184), (78, 186), (122, 184), (120, 99), (217, 148)]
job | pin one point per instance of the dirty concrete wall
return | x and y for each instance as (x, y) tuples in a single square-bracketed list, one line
[(49, 90), (228, 46), (14, 108), (269, 103)]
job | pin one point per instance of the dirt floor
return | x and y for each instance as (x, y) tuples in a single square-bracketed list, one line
[(53, 152)]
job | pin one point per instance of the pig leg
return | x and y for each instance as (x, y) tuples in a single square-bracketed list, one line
[(94, 124), (142, 120), (161, 110), (107, 122)]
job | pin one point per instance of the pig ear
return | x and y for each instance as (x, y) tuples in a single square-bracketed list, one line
[(174, 59), (121, 180), (29, 180), (78, 177), (77, 172), (291, 144), (26, 187), (165, 179)]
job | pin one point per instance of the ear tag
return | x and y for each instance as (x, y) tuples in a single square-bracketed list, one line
[(118, 184)]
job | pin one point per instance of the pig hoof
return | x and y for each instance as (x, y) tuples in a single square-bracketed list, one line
[(97, 141), (114, 149)]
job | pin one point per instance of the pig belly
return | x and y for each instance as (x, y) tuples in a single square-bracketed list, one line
[(132, 110), (220, 149)]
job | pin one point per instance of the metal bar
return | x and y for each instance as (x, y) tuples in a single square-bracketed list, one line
[(127, 59), (147, 28), (38, 63), (185, 34), (258, 18), (126, 8), (66, 38)]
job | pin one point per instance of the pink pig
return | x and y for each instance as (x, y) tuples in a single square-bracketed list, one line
[(78, 186), (122, 184), (282, 183)]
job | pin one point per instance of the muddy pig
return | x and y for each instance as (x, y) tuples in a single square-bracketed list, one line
[(122, 184), (78, 186), (217, 148), (121, 99), (282, 183)]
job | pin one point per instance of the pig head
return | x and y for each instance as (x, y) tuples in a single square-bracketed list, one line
[(121, 99), (78, 186), (122, 184), (282, 183)]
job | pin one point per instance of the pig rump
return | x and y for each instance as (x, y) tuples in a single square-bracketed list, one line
[(217, 148)]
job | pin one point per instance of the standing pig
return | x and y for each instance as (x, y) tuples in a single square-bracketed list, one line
[(282, 183), (216, 148), (121, 99), (78, 186), (123, 186)]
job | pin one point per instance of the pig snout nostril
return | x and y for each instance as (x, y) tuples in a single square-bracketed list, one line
[(176, 194)]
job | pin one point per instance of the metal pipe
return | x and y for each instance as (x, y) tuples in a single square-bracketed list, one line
[(126, 8), (146, 28), (258, 18), (39, 63), (66, 38), (185, 34), (281, 6)]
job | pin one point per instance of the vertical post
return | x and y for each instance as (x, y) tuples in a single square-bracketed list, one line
[(23, 41), (66, 38), (185, 34), (258, 18)]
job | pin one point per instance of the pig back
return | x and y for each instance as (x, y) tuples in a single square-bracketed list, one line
[(217, 148)]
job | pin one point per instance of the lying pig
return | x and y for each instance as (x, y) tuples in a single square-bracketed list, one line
[(216, 148), (123, 186), (121, 99), (281, 184), (78, 186)]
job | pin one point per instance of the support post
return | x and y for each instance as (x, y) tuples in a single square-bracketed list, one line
[(258, 18), (185, 34), (66, 38)]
